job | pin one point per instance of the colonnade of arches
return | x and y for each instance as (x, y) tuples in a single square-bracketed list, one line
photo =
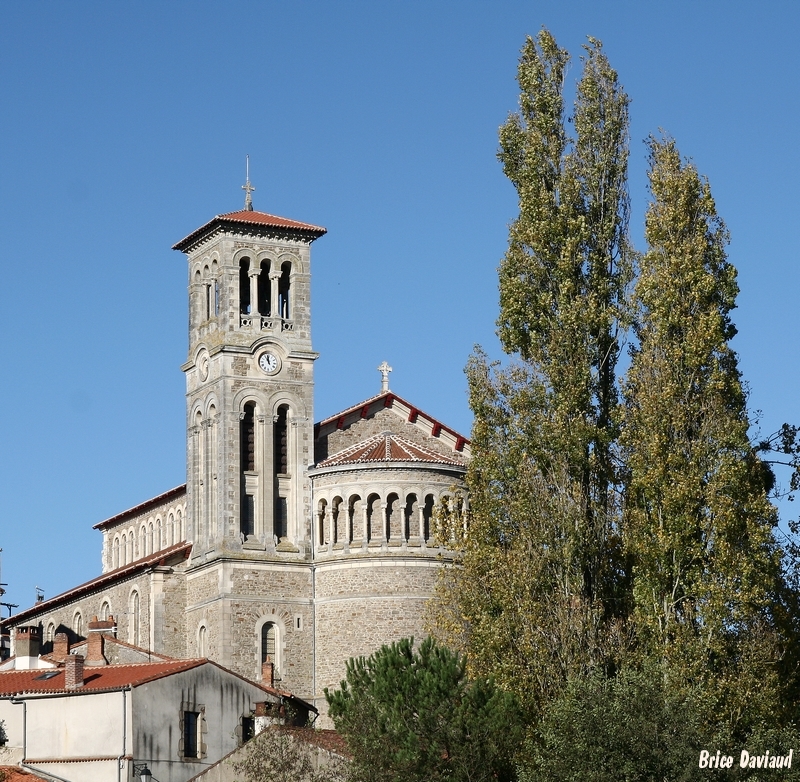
[(391, 517), (146, 538), (265, 291)]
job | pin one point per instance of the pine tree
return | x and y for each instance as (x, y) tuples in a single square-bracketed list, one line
[(698, 522), (413, 715)]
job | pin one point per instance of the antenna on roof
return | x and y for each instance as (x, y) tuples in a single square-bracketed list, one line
[(247, 187)]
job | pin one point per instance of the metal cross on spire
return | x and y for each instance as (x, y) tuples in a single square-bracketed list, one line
[(247, 187), (384, 369)]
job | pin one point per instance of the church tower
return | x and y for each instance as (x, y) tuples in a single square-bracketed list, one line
[(249, 406), (249, 384)]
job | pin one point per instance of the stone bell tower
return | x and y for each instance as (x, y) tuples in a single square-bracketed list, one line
[(249, 385)]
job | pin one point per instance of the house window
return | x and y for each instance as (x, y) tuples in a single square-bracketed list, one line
[(191, 727), (248, 728)]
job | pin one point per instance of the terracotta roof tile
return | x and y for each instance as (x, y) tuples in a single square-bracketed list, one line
[(386, 447), (245, 217), (15, 774), (106, 677)]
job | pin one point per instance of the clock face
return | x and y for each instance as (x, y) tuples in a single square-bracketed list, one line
[(268, 363)]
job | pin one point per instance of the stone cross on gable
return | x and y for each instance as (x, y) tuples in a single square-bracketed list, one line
[(384, 369)]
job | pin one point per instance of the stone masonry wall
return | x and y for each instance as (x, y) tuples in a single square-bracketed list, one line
[(362, 605)]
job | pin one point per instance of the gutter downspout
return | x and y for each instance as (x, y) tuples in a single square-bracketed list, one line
[(121, 757), (17, 702)]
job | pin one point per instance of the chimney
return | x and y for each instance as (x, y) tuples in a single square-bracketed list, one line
[(27, 641), (97, 628), (268, 672), (73, 672), (60, 647)]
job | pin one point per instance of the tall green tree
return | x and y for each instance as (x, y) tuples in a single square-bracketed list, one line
[(564, 276), (413, 715), (698, 523), (540, 589)]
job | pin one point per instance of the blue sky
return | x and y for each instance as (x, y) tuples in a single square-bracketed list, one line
[(124, 126)]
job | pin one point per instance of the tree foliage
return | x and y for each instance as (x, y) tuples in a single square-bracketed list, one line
[(543, 476), (618, 527), (698, 522), (412, 715), (622, 729)]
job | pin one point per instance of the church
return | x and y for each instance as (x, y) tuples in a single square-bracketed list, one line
[(293, 545)]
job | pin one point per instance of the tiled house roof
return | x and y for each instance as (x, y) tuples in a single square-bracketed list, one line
[(386, 447), (105, 677)]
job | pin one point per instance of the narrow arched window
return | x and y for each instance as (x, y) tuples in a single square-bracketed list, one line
[(281, 441), (202, 650), (264, 288), (105, 610), (269, 643), (134, 617), (284, 305), (322, 533), (375, 524), (247, 522), (427, 515), (244, 286), (77, 624)]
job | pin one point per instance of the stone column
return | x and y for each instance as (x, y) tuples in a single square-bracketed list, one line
[(253, 274), (274, 276)]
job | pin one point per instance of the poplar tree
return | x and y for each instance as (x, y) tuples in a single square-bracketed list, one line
[(539, 587), (698, 522)]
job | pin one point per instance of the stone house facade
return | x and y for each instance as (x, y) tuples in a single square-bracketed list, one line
[(291, 542)]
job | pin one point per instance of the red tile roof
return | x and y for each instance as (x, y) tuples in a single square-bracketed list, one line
[(178, 550), (386, 447), (16, 774), (245, 217), (96, 678), (142, 506)]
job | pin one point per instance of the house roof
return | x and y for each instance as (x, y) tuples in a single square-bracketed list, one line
[(386, 447), (16, 774), (121, 573), (143, 506), (96, 678), (104, 678), (246, 218)]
